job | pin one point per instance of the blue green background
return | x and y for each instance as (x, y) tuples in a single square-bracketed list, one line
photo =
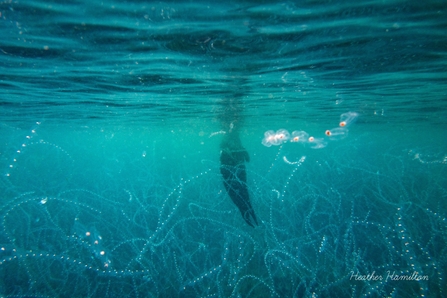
[(111, 120)]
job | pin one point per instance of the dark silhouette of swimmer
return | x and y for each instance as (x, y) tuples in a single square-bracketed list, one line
[(232, 167)]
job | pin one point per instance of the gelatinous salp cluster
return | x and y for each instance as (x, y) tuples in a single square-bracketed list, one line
[(282, 135)]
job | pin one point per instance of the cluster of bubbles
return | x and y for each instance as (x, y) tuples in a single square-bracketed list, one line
[(272, 138)]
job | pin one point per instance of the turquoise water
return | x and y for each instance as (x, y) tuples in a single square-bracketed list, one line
[(111, 121)]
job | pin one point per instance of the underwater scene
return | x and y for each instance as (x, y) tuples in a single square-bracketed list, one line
[(235, 149)]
